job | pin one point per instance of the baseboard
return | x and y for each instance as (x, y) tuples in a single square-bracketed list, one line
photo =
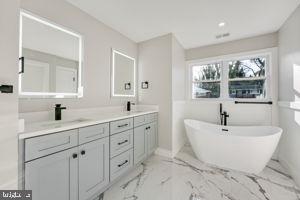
[(291, 170), (163, 152)]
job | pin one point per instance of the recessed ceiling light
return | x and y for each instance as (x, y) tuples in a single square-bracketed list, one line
[(222, 24)]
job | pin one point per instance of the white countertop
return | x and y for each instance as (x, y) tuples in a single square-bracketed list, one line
[(48, 127)]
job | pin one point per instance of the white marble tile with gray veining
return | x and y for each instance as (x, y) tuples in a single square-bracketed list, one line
[(186, 178)]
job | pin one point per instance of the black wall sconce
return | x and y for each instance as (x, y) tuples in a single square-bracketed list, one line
[(6, 89), (145, 85), (127, 86)]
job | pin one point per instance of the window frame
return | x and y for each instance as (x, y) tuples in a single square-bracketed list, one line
[(224, 63), (206, 81)]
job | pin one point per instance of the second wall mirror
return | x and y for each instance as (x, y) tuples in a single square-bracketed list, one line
[(123, 75)]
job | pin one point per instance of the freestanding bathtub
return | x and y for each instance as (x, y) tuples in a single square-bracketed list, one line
[(242, 148)]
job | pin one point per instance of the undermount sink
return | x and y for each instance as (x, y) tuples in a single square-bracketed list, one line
[(60, 123)]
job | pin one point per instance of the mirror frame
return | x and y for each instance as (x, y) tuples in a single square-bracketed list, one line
[(79, 94), (113, 53)]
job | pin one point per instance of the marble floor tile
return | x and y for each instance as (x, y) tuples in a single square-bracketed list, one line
[(186, 178)]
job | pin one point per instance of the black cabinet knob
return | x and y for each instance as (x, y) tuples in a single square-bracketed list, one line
[(74, 155), (83, 152)]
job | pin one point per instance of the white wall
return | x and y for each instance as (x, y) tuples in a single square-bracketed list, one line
[(155, 66), (178, 95), (98, 41), (238, 46), (9, 19), (289, 94)]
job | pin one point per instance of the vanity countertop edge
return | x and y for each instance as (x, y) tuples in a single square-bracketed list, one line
[(94, 121)]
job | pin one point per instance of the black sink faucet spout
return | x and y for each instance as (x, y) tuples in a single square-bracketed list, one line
[(58, 109), (128, 105)]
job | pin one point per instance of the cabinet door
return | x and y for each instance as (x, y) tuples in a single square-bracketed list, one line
[(54, 176), (93, 167), (140, 144), (151, 137)]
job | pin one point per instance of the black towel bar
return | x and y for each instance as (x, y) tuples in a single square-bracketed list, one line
[(254, 102)]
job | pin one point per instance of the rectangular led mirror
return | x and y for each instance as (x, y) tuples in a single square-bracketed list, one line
[(123, 75), (50, 59)]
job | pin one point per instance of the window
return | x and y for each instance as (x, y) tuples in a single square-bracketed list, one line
[(228, 78), (206, 81), (247, 78)]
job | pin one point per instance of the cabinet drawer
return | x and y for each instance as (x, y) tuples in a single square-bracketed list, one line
[(145, 119), (91, 133), (121, 164), (121, 125), (45, 145), (121, 142)]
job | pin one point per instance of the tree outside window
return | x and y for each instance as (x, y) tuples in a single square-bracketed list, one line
[(247, 78), (206, 81)]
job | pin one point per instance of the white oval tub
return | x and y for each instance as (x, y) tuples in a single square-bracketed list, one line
[(242, 148)]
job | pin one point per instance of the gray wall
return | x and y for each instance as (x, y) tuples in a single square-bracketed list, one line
[(178, 95), (237, 46), (178, 70), (9, 20), (289, 93), (155, 66), (98, 41)]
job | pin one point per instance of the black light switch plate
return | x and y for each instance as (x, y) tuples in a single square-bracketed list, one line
[(6, 89)]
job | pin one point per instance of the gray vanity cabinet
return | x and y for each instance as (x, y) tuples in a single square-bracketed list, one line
[(145, 136), (93, 167), (151, 137), (78, 164), (140, 144), (77, 173), (54, 176)]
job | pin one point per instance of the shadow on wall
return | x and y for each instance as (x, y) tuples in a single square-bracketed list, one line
[(290, 141), (296, 81)]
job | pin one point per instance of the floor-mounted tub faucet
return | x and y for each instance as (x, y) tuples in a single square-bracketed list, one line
[(223, 116)]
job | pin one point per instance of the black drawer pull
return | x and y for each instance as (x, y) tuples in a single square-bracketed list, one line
[(74, 155), (83, 152), (122, 142), (148, 127), (123, 125), (120, 165)]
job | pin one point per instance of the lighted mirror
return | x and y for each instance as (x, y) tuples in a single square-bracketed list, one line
[(123, 75), (50, 59)]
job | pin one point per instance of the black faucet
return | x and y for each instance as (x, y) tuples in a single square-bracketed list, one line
[(223, 116), (58, 109), (128, 107)]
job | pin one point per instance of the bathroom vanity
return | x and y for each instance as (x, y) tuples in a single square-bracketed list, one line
[(79, 159)]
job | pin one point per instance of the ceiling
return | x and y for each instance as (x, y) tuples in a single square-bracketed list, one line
[(193, 22)]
